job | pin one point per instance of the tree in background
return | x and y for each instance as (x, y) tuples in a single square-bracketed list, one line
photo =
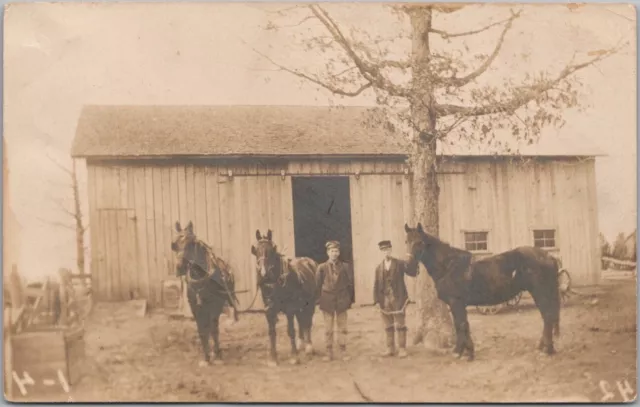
[(430, 92), (73, 211), (619, 247), (605, 247)]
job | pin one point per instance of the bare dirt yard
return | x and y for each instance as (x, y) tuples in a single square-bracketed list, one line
[(156, 359)]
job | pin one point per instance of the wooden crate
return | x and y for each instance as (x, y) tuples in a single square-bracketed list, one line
[(46, 362)]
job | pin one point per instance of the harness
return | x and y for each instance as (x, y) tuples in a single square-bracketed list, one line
[(281, 281), (213, 263)]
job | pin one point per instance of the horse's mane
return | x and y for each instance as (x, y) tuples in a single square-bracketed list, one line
[(213, 260), (444, 245)]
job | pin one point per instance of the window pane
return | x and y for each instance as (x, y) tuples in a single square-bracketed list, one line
[(545, 238), (475, 241)]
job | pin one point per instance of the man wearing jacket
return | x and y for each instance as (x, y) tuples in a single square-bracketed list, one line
[(334, 279), (390, 293)]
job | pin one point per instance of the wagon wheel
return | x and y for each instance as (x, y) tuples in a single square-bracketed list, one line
[(512, 302), (564, 285), (489, 310)]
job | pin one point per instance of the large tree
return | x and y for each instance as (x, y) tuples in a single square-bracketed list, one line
[(427, 84)]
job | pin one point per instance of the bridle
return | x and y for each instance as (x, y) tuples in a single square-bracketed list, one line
[(261, 261), (213, 263)]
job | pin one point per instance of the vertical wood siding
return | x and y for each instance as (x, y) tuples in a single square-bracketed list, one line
[(511, 199), (133, 210)]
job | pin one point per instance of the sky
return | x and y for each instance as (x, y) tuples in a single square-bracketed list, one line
[(59, 57)]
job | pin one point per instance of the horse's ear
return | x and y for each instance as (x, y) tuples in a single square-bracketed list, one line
[(253, 250), (189, 227), (178, 227), (269, 234), (420, 228), (407, 228), (275, 247), (258, 235)]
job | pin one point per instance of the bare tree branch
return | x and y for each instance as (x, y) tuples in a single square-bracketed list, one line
[(331, 88), (525, 94), (57, 164), (57, 224), (459, 82), (446, 35), (370, 72)]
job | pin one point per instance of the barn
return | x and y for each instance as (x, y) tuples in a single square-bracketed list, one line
[(309, 174)]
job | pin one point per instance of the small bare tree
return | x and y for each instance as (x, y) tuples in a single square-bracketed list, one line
[(73, 211), (432, 94)]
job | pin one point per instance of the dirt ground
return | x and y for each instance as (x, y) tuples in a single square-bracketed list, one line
[(156, 359)]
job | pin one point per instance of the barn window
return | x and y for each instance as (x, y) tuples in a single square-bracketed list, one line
[(544, 238), (476, 241)]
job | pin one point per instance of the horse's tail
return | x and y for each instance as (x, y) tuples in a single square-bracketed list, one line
[(558, 267)]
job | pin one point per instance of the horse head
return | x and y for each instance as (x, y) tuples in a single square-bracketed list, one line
[(188, 253), (268, 260), (182, 246), (420, 244)]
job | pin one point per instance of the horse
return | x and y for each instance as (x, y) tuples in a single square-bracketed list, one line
[(287, 286), (460, 282), (210, 286)]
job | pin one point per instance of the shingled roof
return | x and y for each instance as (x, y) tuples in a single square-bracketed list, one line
[(230, 131), (148, 131)]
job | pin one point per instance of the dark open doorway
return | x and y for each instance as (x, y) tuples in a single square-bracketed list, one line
[(321, 212)]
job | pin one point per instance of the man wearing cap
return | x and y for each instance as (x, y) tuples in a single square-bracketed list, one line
[(390, 293), (334, 279)]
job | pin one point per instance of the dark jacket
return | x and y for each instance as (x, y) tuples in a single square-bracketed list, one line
[(391, 284), (337, 290)]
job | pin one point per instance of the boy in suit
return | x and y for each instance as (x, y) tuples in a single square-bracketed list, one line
[(334, 279), (390, 293)]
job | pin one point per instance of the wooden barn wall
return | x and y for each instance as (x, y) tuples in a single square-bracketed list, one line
[(135, 209), (136, 206), (510, 199)]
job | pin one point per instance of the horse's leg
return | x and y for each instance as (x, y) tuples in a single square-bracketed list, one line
[(463, 333), (215, 333), (272, 317), (203, 323), (549, 310), (291, 330), (458, 349), (307, 317)]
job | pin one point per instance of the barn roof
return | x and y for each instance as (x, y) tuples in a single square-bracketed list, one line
[(113, 131)]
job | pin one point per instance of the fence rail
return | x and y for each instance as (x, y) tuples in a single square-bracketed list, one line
[(619, 263)]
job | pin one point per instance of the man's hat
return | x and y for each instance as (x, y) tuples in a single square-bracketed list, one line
[(332, 244), (385, 244)]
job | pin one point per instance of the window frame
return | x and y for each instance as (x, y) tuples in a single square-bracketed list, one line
[(545, 228), (487, 240)]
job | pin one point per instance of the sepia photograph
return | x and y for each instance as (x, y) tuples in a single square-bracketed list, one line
[(319, 202)]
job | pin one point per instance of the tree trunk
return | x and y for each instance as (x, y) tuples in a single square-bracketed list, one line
[(435, 328), (78, 219)]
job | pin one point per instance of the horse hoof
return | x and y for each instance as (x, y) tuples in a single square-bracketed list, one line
[(218, 362), (470, 358), (272, 363), (294, 361), (203, 363), (308, 349)]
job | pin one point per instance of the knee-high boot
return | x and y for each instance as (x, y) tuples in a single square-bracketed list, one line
[(390, 342)]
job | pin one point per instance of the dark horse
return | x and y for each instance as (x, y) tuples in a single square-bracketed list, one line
[(210, 285), (493, 280), (288, 286)]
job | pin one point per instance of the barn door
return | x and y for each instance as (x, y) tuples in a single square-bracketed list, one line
[(380, 206), (117, 249)]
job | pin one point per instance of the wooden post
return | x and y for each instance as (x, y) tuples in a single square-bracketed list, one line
[(16, 288), (65, 279)]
